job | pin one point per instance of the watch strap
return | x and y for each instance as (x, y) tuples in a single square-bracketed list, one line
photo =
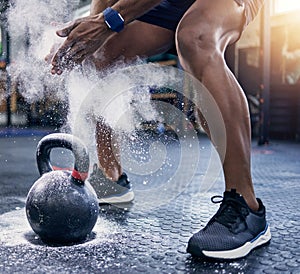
[(113, 19)]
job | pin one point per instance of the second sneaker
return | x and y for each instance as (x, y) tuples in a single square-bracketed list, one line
[(109, 192)]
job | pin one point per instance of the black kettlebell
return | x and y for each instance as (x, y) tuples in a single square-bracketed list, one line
[(61, 206)]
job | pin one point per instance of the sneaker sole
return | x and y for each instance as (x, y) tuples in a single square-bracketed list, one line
[(263, 238), (118, 199)]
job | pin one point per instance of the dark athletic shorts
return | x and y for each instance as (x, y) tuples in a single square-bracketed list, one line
[(169, 12)]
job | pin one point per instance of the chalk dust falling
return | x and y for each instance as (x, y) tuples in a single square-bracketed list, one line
[(120, 95)]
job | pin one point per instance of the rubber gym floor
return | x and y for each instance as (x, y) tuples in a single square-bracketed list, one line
[(151, 237)]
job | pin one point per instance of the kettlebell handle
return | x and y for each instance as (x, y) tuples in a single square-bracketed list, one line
[(67, 141)]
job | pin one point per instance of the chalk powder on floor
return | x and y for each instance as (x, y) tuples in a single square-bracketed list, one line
[(14, 228)]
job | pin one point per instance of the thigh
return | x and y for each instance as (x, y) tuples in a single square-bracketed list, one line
[(137, 39), (218, 21)]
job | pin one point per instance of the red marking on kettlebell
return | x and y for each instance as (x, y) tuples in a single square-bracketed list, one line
[(81, 176)]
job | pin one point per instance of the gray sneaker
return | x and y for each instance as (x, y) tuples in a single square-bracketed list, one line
[(109, 192), (233, 232)]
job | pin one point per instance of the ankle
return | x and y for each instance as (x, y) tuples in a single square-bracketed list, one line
[(249, 198), (112, 175), (253, 204), (111, 172)]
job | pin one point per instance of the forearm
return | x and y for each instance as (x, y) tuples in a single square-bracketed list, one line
[(131, 9), (87, 34), (98, 6)]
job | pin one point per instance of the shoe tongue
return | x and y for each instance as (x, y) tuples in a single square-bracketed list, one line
[(233, 194)]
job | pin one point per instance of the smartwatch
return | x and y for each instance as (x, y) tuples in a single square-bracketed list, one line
[(113, 19)]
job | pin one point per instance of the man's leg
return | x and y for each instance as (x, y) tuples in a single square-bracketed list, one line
[(125, 46), (240, 224), (203, 34)]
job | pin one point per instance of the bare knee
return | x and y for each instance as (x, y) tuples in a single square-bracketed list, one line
[(197, 44)]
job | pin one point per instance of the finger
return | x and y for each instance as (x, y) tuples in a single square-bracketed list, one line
[(61, 52), (55, 70), (68, 64), (75, 52), (79, 58), (50, 55), (48, 58), (68, 27), (76, 59), (56, 24), (72, 55)]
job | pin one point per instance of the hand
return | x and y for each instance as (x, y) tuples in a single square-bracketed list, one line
[(53, 50), (84, 37)]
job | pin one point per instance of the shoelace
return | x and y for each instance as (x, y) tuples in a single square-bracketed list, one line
[(230, 211)]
